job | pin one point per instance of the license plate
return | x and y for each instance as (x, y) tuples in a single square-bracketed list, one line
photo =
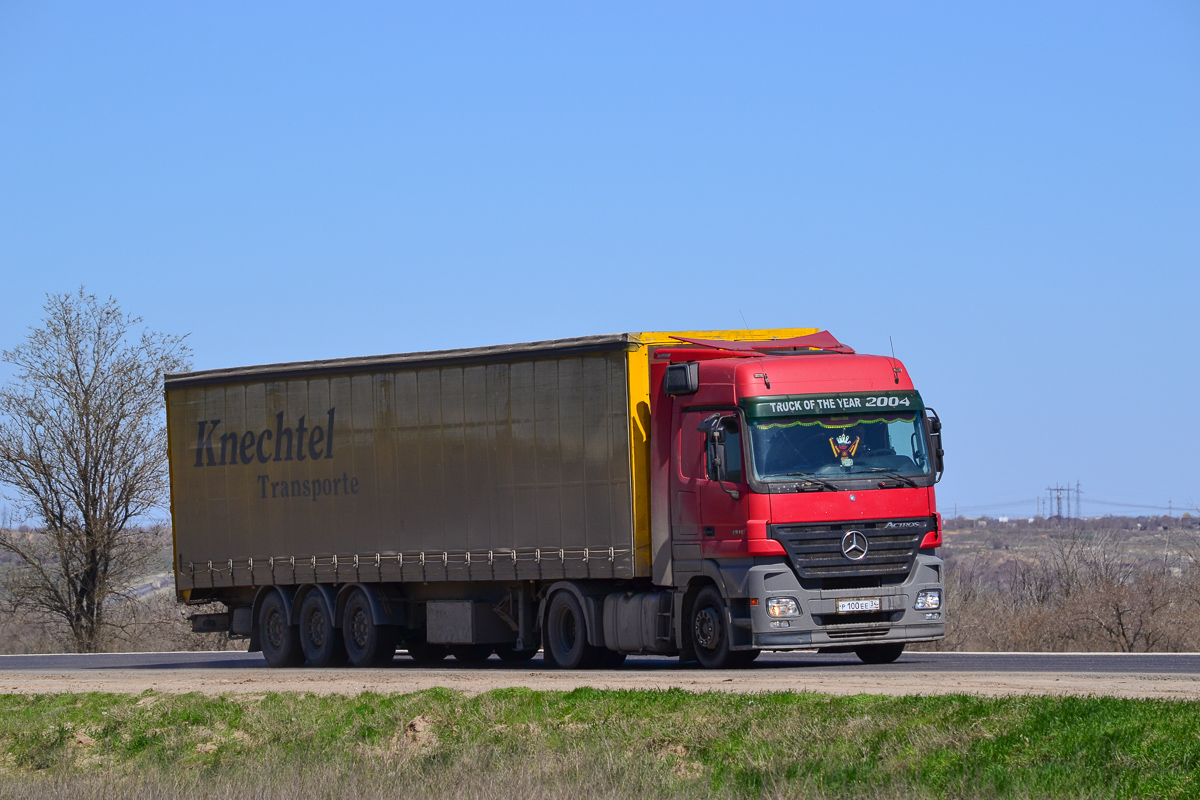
[(858, 604)]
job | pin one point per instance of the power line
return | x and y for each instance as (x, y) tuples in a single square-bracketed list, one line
[(1046, 504), (1129, 505), (1035, 500)]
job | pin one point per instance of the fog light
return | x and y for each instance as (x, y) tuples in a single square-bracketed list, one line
[(934, 615), (780, 623), (929, 599), (784, 607)]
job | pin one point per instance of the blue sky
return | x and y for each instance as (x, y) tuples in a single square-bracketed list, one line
[(1010, 191)]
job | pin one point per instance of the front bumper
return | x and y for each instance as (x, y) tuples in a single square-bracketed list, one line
[(820, 626)]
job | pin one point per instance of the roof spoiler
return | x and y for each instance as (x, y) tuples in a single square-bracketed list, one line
[(822, 340)]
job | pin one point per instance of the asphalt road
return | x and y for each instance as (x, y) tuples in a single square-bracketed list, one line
[(797, 663)]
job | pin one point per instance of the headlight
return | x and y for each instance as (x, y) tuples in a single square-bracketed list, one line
[(929, 599), (782, 607)]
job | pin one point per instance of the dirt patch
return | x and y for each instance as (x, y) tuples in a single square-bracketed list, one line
[(419, 732)]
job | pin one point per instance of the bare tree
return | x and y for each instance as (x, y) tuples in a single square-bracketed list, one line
[(83, 452)]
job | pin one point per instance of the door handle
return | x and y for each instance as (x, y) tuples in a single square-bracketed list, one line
[(709, 530)]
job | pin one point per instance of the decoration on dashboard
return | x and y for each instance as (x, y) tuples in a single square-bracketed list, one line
[(844, 449)]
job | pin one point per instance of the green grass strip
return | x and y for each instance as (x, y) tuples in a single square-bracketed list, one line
[(613, 743)]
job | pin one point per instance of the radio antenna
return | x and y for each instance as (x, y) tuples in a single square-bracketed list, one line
[(747, 324), (895, 369)]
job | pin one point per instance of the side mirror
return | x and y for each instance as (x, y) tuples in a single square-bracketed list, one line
[(682, 379), (716, 456), (933, 426), (715, 434)]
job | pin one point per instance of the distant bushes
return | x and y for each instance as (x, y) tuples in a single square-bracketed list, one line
[(1082, 591), (152, 623)]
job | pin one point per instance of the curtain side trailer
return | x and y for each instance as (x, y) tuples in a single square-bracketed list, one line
[(591, 497)]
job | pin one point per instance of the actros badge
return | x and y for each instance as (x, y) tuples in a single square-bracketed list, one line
[(854, 545)]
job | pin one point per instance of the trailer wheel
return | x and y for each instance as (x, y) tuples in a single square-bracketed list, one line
[(367, 644), (280, 641), (511, 655), (321, 642), (709, 630), (566, 635), (879, 653)]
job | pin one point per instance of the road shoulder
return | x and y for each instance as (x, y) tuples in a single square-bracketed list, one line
[(474, 681)]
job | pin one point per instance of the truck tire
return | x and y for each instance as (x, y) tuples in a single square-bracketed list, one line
[(709, 629), (566, 645), (511, 655), (424, 653), (280, 641), (367, 644), (321, 642), (879, 653)]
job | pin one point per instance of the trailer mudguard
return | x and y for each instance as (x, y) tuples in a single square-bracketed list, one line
[(382, 612), (327, 597)]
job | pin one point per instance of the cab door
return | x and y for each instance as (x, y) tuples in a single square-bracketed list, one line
[(687, 477), (722, 517)]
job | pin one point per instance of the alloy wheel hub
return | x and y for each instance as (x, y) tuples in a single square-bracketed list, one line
[(707, 629)]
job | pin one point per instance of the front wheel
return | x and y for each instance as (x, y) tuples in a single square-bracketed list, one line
[(709, 629), (879, 653)]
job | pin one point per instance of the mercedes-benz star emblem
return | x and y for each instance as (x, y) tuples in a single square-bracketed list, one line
[(854, 545)]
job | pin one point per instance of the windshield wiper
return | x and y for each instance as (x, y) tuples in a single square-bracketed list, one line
[(887, 473), (808, 477)]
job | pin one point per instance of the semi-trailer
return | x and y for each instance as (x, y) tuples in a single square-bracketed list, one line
[(703, 494)]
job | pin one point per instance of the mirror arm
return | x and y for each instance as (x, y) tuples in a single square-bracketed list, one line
[(719, 478)]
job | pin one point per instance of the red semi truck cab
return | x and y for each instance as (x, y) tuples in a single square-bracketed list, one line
[(801, 482)]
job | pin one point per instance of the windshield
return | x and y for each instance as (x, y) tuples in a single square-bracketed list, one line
[(841, 446)]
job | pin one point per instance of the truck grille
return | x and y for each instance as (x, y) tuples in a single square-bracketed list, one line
[(816, 552), (857, 634), (868, 618)]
